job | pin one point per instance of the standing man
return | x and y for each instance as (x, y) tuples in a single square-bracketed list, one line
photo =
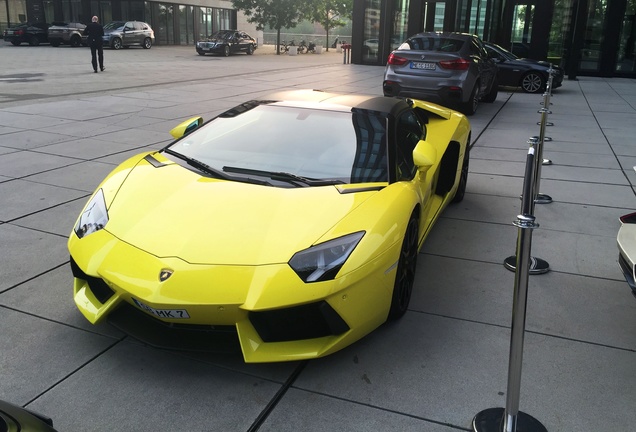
[(95, 32)]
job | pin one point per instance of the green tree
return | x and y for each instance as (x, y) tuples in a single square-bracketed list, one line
[(331, 14), (276, 14)]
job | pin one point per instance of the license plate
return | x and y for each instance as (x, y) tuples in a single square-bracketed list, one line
[(9, 32), (163, 313), (423, 65)]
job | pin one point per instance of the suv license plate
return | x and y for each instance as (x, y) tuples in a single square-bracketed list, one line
[(423, 65)]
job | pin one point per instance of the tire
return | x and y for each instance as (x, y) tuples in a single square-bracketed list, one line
[(463, 176), (116, 43), (15, 43), (250, 49), (34, 41), (147, 43), (302, 49), (532, 82), (492, 94), (226, 51), (55, 44), (76, 41), (405, 273), (470, 106)]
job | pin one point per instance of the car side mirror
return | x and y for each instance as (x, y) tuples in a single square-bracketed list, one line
[(424, 156), (184, 128)]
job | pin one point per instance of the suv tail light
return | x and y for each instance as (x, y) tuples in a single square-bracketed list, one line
[(19, 32), (396, 60), (457, 64)]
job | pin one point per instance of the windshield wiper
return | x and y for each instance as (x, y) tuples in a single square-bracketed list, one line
[(284, 176), (202, 166)]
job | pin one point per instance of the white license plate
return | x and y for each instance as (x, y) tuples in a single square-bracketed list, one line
[(163, 313), (9, 32), (423, 65)]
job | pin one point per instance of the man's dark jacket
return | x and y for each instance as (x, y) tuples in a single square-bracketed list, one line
[(94, 31)]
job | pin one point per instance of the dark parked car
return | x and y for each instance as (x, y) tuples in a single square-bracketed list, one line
[(118, 34), (530, 75), (32, 33), (452, 69), (227, 42), (67, 33)]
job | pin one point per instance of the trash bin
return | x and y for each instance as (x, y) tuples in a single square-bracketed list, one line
[(318, 49)]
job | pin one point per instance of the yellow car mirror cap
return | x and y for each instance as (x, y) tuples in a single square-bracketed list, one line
[(424, 155), (186, 127)]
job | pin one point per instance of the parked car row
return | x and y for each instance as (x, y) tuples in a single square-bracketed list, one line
[(117, 34), (458, 70)]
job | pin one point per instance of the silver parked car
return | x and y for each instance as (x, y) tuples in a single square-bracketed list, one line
[(67, 33), (118, 34), (452, 69)]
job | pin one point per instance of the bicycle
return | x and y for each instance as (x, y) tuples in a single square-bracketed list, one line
[(302, 47), (284, 46)]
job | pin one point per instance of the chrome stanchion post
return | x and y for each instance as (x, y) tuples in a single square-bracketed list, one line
[(537, 265), (539, 197), (510, 419), (546, 104)]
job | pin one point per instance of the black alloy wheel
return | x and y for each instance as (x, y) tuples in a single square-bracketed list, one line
[(76, 41), (226, 50), (250, 49), (117, 44), (405, 274), (532, 82), (147, 43), (494, 90), (470, 106)]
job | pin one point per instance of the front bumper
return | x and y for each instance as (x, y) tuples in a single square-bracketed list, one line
[(268, 309), (209, 47)]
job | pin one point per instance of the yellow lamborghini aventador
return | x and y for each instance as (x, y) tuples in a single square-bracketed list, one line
[(289, 224)]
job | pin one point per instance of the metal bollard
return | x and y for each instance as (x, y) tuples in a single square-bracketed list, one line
[(346, 53), (508, 419)]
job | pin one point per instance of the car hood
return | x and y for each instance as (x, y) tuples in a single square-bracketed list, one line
[(170, 211), (532, 62)]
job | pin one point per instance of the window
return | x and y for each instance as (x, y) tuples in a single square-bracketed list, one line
[(409, 132)]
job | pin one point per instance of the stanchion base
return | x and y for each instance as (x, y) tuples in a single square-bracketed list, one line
[(492, 420), (546, 162), (543, 199), (537, 265)]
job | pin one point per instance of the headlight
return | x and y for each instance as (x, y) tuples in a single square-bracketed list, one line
[(323, 261), (94, 217)]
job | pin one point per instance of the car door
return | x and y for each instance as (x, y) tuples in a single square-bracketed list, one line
[(508, 73), (486, 66), (128, 34)]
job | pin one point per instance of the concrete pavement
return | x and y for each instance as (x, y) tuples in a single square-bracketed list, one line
[(63, 128)]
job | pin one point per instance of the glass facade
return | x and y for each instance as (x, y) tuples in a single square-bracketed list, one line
[(587, 37), (173, 23)]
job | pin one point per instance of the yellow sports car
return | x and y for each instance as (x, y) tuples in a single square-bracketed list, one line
[(290, 224)]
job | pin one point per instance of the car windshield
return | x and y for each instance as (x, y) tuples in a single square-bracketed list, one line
[(114, 25), (222, 35), (433, 43), (315, 144), (504, 52)]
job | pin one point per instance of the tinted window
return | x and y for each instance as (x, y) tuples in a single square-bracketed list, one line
[(433, 43), (319, 144), (409, 132)]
